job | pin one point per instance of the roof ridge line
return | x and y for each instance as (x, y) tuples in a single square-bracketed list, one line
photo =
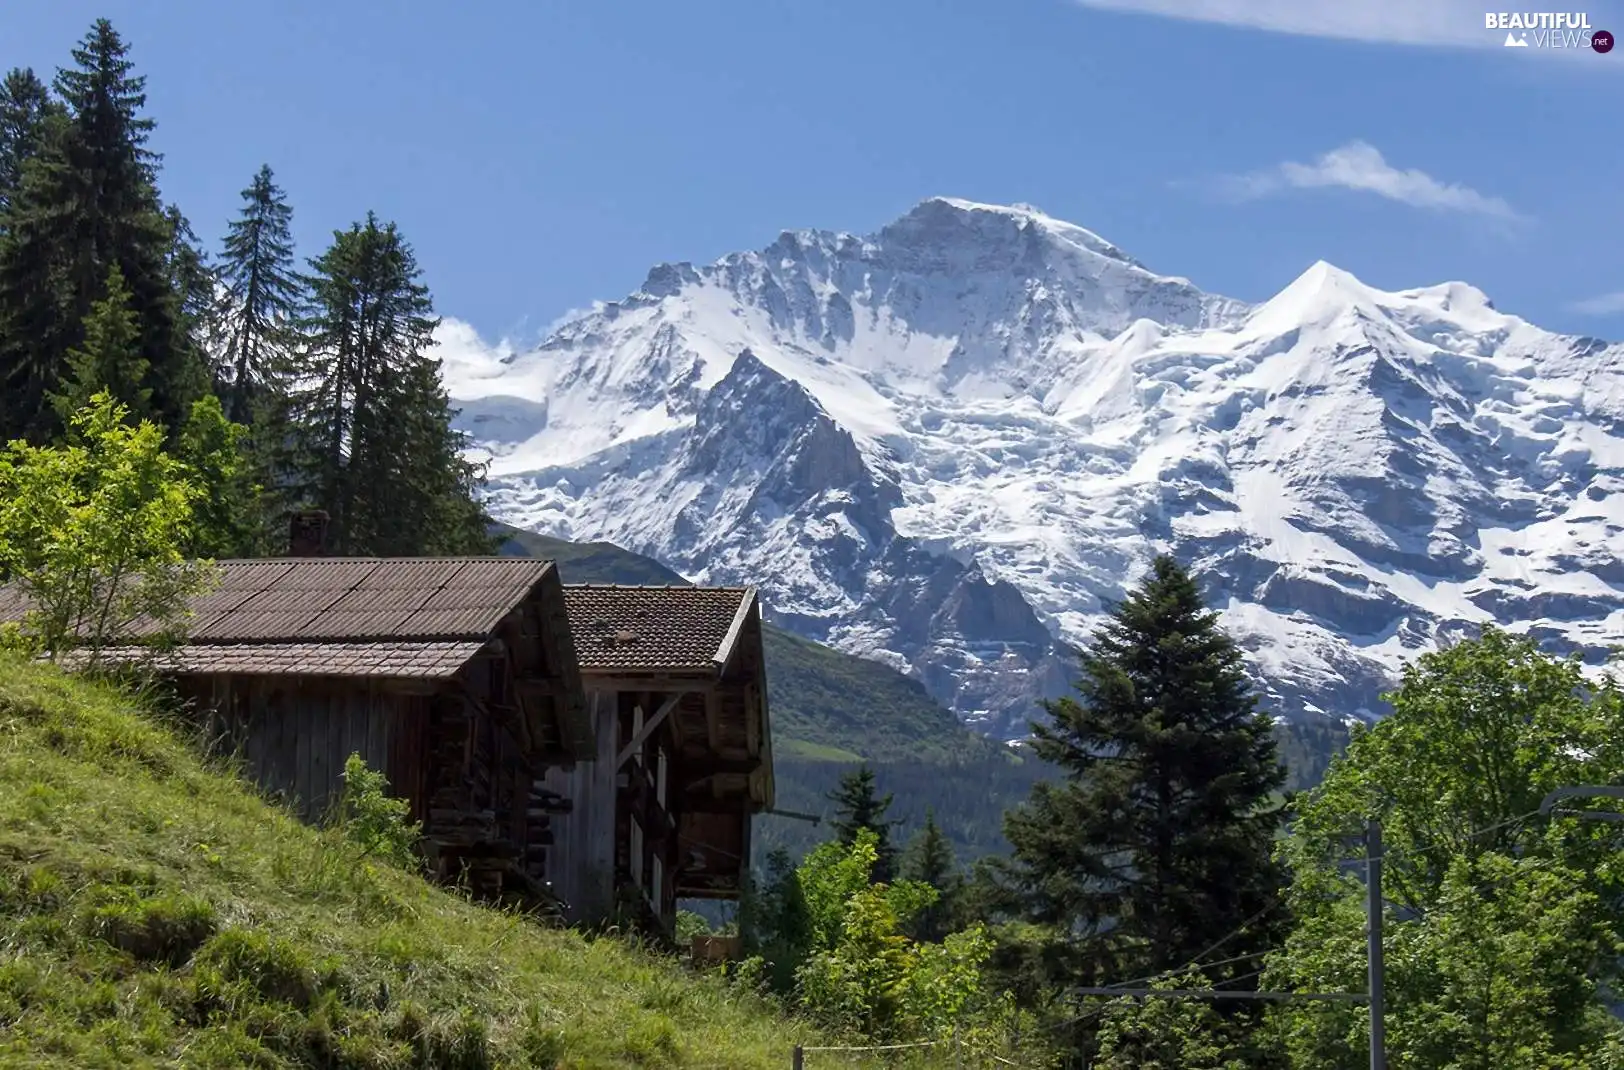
[(350, 640)]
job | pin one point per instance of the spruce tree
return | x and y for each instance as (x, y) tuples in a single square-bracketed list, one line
[(370, 424), (929, 860), (193, 280), (1159, 840), (262, 294), (109, 359), (26, 108), (858, 806), (37, 326), (86, 201), (428, 477)]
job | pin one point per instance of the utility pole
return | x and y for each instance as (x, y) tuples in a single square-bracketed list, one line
[(1373, 910)]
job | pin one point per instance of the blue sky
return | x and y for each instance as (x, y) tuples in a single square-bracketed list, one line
[(542, 154)]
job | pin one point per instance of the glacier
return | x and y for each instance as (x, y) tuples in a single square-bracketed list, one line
[(952, 444)]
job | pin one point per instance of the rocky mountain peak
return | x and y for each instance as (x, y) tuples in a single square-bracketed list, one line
[(950, 445)]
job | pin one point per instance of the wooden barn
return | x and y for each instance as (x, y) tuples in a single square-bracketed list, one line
[(677, 702), (456, 677)]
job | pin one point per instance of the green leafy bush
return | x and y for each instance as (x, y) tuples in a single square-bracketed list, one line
[(376, 822), (1161, 1033), (93, 532), (859, 972)]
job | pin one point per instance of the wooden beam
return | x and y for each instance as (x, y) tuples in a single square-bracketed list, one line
[(753, 699), (692, 769), (407, 686), (730, 641), (534, 724), (515, 723), (637, 741), (699, 682), (713, 730)]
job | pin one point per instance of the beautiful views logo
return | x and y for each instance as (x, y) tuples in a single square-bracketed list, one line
[(1548, 29)]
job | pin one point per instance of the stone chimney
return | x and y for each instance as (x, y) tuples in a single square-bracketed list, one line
[(307, 533)]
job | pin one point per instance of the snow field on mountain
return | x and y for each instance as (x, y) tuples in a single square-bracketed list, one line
[(982, 421)]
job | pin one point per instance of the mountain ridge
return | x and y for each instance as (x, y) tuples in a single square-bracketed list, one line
[(949, 446)]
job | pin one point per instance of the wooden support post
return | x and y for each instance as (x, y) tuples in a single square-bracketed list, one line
[(798, 1060), (713, 733), (648, 729)]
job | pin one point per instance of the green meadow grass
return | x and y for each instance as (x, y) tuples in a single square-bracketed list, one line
[(156, 911)]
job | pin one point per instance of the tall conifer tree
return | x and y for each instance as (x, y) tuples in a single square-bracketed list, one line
[(87, 201), (109, 359), (929, 860), (1160, 839), (371, 425), (194, 282), (26, 108), (262, 294), (858, 806)]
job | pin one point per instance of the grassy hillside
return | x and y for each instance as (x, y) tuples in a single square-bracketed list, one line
[(154, 912)]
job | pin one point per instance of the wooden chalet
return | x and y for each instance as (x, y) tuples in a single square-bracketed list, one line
[(454, 676), (677, 705)]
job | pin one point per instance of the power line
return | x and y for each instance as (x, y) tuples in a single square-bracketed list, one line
[(1403, 852), (1218, 993), (1196, 965), (1126, 988)]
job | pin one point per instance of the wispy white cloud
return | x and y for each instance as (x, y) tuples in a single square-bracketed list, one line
[(1359, 166), (1601, 305), (460, 346), (465, 357), (1435, 23), (469, 361)]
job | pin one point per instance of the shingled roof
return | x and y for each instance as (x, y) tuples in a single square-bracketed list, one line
[(337, 599), (655, 629), (395, 617), (379, 660)]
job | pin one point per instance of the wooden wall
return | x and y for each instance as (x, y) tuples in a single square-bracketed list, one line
[(581, 861), (293, 736), (722, 839)]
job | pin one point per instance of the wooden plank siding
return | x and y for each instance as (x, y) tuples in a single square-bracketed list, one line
[(293, 736), (581, 863)]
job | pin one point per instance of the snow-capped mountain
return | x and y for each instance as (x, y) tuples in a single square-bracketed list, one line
[(951, 444)]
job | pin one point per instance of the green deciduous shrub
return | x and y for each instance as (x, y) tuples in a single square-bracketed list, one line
[(376, 822)]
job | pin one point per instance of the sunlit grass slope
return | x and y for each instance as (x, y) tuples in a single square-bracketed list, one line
[(156, 912)]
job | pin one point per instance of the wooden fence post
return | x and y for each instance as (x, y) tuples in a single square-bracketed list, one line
[(798, 1060)]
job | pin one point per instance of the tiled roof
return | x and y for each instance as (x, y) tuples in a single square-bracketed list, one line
[(336, 599), (315, 599), (392, 660), (642, 629), (383, 617)]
